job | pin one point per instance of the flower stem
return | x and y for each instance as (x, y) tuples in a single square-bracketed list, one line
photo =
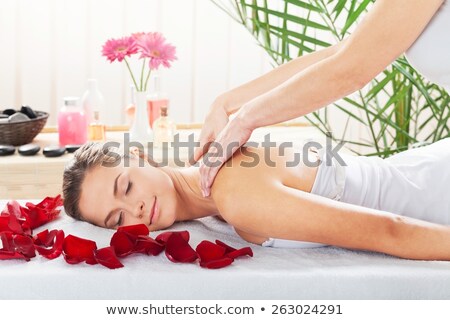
[(142, 74), (131, 73), (148, 76)]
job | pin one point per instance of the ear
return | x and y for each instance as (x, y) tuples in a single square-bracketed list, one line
[(135, 151)]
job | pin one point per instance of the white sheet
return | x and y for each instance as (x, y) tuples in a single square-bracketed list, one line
[(273, 273)]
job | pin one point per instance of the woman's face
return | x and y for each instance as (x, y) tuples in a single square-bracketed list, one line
[(126, 194)]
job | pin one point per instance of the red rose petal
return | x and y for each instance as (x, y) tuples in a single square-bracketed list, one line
[(179, 250), (208, 251), (16, 246), (24, 244), (123, 243), (13, 218), (162, 237), (10, 223), (246, 251), (44, 211), (77, 250), (107, 257), (6, 240), (7, 255), (216, 264), (49, 244), (234, 253), (136, 229), (148, 245), (227, 247)]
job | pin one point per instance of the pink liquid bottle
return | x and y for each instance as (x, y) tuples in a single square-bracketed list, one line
[(155, 101), (72, 124)]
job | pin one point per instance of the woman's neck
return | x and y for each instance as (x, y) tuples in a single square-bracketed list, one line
[(190, 202)]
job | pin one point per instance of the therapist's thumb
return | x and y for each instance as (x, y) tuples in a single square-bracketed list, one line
[(200, 151)]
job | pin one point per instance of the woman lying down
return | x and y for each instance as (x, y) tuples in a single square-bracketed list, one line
[(399, 205)]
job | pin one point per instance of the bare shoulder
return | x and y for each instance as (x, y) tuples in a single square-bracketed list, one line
[(258, 171), (238, 175)]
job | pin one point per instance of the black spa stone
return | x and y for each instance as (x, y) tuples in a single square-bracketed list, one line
[(9, 112), (6, 149), (28, 111), (53, 151), (29, 149), (71, 148)]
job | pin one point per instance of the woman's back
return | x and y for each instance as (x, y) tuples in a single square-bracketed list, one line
[(256, 167), (413, 183)]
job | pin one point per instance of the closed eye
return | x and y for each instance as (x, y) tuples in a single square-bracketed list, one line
[(129, 187), (119, 222)]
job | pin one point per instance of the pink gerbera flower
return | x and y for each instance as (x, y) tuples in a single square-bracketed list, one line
[(153, 45), (119, 48)]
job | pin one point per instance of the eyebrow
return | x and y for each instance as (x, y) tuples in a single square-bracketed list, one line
[(115, 193)]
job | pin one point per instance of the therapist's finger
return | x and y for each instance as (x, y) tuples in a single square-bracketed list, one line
[(199, 151), (212, 165), (210, 161), (208, 174)]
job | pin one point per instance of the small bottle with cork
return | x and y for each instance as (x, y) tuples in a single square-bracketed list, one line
[(94, 104), (164, 129), (96, 129)]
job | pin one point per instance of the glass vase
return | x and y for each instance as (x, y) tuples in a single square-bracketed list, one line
[(140, 130)]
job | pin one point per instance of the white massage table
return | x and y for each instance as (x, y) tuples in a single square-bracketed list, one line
[(273, 273)]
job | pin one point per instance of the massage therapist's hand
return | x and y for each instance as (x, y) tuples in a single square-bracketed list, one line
[(231, 138), (215, 121)]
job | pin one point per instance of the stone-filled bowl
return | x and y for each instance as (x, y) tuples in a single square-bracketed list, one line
[(23, 132)]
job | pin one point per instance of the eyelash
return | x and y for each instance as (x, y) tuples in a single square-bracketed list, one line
[(119, 222), (129, 187)]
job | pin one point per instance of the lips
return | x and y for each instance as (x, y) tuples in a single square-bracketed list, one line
[(153, 211)]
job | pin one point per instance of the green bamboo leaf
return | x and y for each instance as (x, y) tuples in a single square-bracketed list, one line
[(300, 36), (354, 15), (375, 90), (305, 5), (289, 17), (340, 5), (350, 114)]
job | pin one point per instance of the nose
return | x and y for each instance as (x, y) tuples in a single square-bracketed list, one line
[(140, 210), (136, 214)]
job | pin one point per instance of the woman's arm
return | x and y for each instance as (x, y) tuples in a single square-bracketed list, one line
[(277, 211), (388, 30), (232, 100)]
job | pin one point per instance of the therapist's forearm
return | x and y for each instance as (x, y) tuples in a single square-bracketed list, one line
[(317, 86), (235, 98)]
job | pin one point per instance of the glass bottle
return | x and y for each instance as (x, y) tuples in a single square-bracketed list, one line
[(72, 125), (155, 101), (93, 100), (131, 107), (96, 129), (164, 129)]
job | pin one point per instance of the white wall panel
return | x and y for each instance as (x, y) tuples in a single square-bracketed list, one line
[(212, 56), (178, 27), (8, 75), (107, 21), (70, 50), (34, 56)]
